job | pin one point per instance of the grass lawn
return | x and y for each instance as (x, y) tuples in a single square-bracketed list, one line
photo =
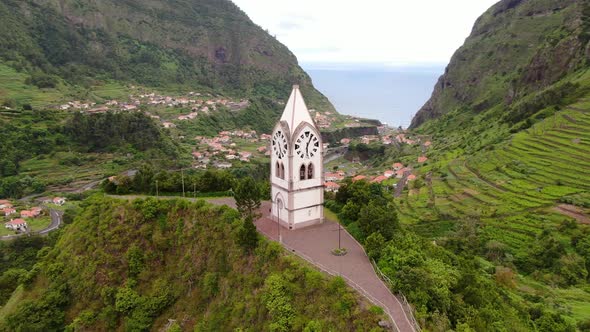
[(328, 214), (35, 224)]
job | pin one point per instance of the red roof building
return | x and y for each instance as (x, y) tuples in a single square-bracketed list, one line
[(16, 224), (422, 159), (358, 178), (379, 179), (332, 186), (8, 211)]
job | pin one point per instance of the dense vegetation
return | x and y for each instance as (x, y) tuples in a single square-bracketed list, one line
[(467, 279), (65, 140), (494, 232), (135, 265)]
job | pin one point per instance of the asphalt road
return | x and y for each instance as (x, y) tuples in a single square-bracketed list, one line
[(56, 220)]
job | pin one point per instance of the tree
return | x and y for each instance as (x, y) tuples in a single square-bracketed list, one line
[(247, 235), (374, 244), (247, 196), (378, 216)]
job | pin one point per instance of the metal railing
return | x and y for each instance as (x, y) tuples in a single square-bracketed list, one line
[(405, 304), (352, 284)]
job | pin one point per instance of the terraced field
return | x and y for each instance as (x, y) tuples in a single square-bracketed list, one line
[(512, 189), (513, 193)]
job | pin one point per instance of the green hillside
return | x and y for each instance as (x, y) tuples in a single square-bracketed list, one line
[(79, 46), (507, 181), (137, 265), (516, 48)]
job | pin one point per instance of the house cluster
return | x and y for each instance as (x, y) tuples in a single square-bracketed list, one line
[(398, 171), (222, 149), (18, 224), (204, 107), (196, 101), (322, 120)]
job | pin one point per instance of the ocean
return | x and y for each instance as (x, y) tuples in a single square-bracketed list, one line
[(389, 94)]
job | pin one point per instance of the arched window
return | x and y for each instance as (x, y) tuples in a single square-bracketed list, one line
[(310, 171), (302, 172), (278, 170), (282, 171)]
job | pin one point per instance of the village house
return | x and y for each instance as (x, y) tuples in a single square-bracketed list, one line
[(345, 141), (33, 213), (332, 177), (411, 177), (332, 187), (59, 200), (397, 166), (223, 165), (427, 143), (379, 179), (261, 149), (16, 225), (8, 211), (197, 155), (422, 159), (169, 125), (358, 178), (245, 154), (5, 204), (388, 173)]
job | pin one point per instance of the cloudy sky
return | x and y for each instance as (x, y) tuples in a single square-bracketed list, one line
[(390, 32)]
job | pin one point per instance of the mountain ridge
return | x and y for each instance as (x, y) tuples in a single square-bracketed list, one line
[(515, 48)]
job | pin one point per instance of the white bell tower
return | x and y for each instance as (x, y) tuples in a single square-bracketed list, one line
[(297, 164)]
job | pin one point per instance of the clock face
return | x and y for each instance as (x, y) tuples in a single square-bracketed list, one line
[(279, 144), (307, 145)]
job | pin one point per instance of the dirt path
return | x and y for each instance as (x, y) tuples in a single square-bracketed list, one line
[(574, 212)]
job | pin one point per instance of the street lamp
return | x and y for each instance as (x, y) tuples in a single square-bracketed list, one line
[(279, 207)]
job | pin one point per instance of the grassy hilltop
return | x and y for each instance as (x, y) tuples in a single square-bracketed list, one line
[(136, 265)]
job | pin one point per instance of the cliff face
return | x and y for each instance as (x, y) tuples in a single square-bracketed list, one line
[(515, 48)]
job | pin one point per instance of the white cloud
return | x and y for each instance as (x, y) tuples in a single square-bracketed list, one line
[(369, 31)]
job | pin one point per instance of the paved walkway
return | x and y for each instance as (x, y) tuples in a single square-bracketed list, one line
[(315, 244)]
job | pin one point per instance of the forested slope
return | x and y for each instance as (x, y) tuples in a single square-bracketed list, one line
[(135, 265)]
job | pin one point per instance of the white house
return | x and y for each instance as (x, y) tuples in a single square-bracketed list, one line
[(297, 184), (59, 200), (16, 225)]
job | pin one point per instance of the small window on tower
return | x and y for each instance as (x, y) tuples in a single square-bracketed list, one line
[(310, 171), (302, 172), (278, 170), (282, 171)]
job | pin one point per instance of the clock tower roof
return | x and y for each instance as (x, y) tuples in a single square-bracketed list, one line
[(295, 111)]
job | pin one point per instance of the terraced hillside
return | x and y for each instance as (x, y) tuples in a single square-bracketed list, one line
[(515, 193)]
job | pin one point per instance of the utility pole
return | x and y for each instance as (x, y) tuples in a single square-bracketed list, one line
[(182, 173), (339, 228), (156, 188), (279, 206)]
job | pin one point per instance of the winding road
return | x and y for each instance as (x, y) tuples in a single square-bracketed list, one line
[(56, 220)]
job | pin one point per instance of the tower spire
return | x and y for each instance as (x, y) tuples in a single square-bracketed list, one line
[(296, 111)]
